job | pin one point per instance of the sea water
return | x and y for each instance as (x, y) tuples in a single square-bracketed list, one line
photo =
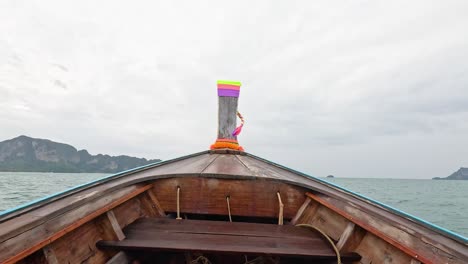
[(442, 202)]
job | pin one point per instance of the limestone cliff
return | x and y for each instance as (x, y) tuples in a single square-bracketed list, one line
[(461, 174), (32, 154)]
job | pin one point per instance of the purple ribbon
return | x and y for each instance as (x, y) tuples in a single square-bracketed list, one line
[(228, 93)]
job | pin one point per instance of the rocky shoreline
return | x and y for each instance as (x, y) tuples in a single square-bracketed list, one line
[(461, 174)]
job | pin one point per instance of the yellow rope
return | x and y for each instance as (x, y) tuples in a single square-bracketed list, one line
[(178, 203), (281, 208), (337, 252), (229, 208)]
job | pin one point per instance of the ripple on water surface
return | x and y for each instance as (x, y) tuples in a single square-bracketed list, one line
[(18, 188), (440, 202)]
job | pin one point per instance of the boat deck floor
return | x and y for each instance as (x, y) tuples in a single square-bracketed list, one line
[(163, 234)]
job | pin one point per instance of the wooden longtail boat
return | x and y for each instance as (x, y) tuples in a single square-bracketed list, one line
[(219, 206)]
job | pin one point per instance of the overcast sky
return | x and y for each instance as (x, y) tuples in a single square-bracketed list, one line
[(350, 88)]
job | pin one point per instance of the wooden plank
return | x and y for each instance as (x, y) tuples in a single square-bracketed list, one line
[(11, 254), (309, 213), (354, 240), (157, 225), (156, 202), (225, 244), (392, 235), (227, 165), (78, 246), (35, 258), (128, 212), (193, 165), (119, 258), (377, 250), (254, 198), (146, 205), (49, 254), (261, 169), (300, 211), (43, 214), (115, 225), (345, 235), (222, 237), (328, 221)]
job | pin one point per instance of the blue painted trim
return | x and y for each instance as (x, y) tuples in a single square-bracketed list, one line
[(392, 209), (101, 180)]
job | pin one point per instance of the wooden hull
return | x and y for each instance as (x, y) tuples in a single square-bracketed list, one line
[(67, 228)]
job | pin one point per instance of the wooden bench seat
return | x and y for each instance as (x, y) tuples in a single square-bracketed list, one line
[(162, 234)]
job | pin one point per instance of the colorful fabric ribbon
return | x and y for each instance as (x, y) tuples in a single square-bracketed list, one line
[(238, 129), (228, 88), (222, 143)]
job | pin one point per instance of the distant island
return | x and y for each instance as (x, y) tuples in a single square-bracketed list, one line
[(330, 176), (461, 174), (28, 154)]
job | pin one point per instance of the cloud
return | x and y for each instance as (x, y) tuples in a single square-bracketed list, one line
[(333, 78)]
